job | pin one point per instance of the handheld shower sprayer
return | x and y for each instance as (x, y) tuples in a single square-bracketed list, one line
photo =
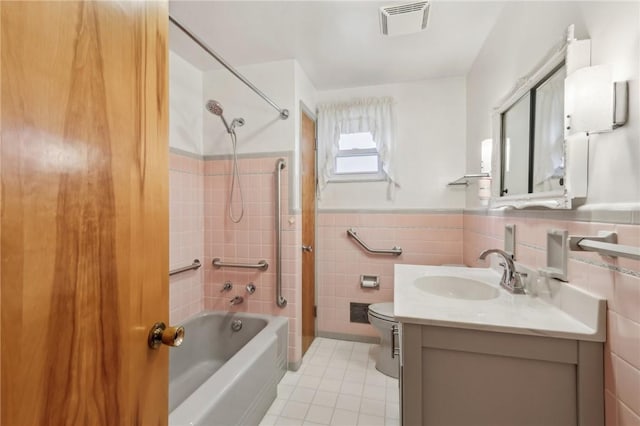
[(215, 108)]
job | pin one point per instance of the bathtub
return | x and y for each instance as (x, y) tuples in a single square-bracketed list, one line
[(223, 377)]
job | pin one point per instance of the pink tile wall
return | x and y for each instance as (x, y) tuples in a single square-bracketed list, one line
[(617, 280), (428, 239), (251, 240), (186, 237)]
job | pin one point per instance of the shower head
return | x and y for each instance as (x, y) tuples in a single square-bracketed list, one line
[(215, 108)]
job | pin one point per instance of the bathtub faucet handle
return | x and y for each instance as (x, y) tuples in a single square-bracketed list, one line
[(226, 287)]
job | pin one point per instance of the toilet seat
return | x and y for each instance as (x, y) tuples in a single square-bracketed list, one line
[(382, 311)]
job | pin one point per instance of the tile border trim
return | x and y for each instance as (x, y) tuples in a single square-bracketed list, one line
[(389, 211), (630, 216), (184, 153), (195, 156), (288, 154)]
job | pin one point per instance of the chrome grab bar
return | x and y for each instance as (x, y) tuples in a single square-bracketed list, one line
[(218, 263), (195, 265), (606, 245), (396, 251), (280, 301)]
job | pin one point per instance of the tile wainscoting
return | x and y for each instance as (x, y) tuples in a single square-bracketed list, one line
[(251, 240), (200, 228), (428, 238), (186, 239)]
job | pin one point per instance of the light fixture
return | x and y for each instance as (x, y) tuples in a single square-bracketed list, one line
[(593, 102)]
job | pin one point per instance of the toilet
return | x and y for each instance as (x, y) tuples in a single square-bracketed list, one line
[(382, 319)]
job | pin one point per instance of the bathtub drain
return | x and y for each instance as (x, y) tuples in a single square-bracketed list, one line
[(236, 325)]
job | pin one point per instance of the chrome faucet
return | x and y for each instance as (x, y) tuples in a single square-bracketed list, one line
[(236, 300), (511, 279), (226, 287)]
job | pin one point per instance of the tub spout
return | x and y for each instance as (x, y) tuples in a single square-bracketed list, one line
[(236, 300)]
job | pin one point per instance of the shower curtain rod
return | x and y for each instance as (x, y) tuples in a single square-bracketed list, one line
[(284, 113)]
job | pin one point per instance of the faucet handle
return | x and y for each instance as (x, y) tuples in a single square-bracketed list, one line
[(226, 287), (518, 285)]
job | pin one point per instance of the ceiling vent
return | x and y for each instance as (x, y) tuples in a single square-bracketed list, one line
[(404, 19)]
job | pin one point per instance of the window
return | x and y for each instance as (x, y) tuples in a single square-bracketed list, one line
[(357, 158), (355, 142)]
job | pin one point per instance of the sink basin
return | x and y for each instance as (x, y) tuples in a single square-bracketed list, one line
[(456, 288)]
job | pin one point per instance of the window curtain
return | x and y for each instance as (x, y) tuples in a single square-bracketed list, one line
[(373, 115)]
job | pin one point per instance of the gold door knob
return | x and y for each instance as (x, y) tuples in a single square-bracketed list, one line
[(161, 334)]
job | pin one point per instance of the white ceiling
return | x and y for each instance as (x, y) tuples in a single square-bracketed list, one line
[(337, 43)]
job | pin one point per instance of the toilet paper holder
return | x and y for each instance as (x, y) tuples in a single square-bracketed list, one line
[(370, 281)]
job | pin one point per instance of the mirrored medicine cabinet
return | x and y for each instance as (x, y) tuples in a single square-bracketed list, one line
[(540, 144)]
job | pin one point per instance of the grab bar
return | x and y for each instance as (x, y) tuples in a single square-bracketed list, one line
[(606, 244), (396, 251), (280, 301), (195, 265), (218, 263)]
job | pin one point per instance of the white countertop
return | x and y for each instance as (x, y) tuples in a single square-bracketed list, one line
[(566, 312)]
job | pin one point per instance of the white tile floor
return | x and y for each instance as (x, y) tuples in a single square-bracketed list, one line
[(337, 384)]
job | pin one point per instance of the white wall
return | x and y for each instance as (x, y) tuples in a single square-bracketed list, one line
[(286, 83), (263, 131), (185, 105), (429, 147), (523, 34)]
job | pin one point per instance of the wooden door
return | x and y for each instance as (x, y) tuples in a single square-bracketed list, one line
[(308, 147), (84, 222)]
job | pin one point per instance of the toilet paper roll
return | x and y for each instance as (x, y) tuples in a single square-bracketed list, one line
[(369, 281)]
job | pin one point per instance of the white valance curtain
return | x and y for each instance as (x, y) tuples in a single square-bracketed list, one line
[(373, 115)]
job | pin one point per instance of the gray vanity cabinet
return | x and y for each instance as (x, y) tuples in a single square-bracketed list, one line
[(459, 377)]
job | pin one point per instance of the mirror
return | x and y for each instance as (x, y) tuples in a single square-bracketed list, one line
[(533, 138), (548, 136), (530, 137), (515, 147)]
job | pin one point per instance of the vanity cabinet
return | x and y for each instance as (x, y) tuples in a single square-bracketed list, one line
[(453, 376)]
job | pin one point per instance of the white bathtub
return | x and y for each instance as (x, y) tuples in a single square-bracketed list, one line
[(223, 377)]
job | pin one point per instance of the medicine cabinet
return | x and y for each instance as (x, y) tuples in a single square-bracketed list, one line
[(537, 160), (540, 129)]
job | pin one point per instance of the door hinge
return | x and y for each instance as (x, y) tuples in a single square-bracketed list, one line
[(315, 311)]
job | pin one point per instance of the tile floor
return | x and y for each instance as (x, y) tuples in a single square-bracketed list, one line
[(337, 384)]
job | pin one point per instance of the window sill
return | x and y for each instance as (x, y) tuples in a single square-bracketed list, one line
[(352, 178)]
